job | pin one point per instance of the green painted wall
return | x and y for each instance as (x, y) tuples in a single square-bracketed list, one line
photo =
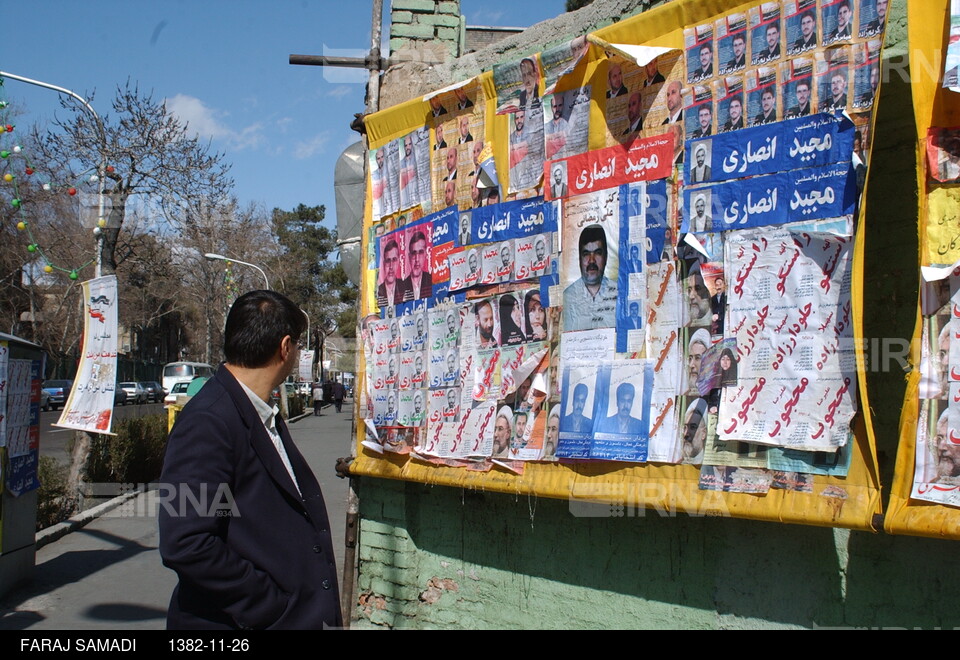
[(436, 557)]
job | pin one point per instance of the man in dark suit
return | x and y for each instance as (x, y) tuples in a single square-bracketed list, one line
[(808, 33), (615, 79), (844, 29), (838, 93), (623, 423), (245, 527), (705, 119), (576, 421), (802, 92), (768, 108), (739, 59), (392, 289), (877, 24), (420, 281)]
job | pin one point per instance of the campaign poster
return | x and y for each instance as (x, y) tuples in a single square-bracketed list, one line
[(631, 285), (698, 109), (833, 79), (730, 104), (698, 45), (567, 123), (763, 93), (797, 88), (621, 429), (519, 85), (445, 367), (800, 17), (837, 20), (766, 38), (873, 18), (532, 256), (590, 262), (465, 267), (526, 148), (732, 38), (579, 403), (643, 159), (524, 217), (866, 74), (561, 60)]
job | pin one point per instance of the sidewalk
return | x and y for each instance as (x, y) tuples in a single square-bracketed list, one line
[(108, 575)]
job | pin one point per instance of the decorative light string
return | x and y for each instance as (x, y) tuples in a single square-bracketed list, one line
[(9, 160)]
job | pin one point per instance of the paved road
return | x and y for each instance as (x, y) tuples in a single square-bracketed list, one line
[(108, 575)]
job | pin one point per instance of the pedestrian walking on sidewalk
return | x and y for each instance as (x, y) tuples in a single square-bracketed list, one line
[(317, 398), (339, 391)]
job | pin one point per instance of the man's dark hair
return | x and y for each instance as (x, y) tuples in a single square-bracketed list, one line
[(417, 238), (391, 245), (626, 388), (809, 13), (591, 234), (256, 324), (844, 3)]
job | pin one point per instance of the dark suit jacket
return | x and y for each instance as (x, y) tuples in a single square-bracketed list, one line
[(426, 286), (268, 565), (401, 292), (612, 425)]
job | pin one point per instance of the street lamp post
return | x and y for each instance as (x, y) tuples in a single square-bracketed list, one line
[(219, 257)]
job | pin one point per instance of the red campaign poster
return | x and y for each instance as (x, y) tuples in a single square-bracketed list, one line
[(645, 159)]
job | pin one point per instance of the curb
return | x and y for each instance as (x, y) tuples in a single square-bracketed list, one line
[(82, 519)]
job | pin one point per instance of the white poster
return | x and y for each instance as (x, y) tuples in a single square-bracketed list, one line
[(306, 366), (90, 406)]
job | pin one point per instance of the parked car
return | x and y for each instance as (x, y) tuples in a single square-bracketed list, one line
[(57, 391), (135, 392), (155, 392), (119, 397), (176, 390), (44, 400)]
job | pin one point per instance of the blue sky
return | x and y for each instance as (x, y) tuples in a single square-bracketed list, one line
[(223, 67)]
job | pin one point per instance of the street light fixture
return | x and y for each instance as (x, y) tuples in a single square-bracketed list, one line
[(212, 256)]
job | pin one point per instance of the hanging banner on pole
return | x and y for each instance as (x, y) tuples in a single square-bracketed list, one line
[(90, 406), (306, 366)]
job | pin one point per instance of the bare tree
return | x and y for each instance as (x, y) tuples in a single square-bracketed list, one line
[(147, 151)]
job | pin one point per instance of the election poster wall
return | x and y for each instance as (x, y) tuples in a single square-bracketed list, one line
[(656, 280), (925, 494)]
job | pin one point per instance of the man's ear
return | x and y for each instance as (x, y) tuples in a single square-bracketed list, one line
[(286, 345)]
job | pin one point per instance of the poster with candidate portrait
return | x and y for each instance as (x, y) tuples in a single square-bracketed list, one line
[(730, 104), (590, 260), (418, 239), (698, 45), (578, 409), (561, 60), (797, 88), (766, 39), (532, 256), (866, 74), (800, 21), (622, 422), (833, 78), (567, 123), (837, 20), (732, 40)]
